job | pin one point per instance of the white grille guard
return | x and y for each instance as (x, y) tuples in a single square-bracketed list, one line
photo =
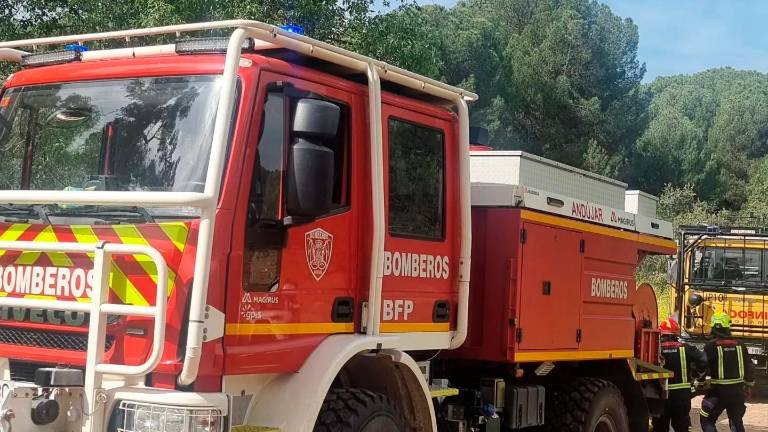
[(99, 308), (207, 200)]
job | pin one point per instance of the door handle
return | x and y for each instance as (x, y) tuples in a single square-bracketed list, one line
[(343, 310), (546, 288), (442, 311)]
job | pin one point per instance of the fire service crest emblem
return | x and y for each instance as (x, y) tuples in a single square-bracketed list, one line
[(318, 245)]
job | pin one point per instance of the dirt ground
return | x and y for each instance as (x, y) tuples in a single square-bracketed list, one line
[(755, 420)]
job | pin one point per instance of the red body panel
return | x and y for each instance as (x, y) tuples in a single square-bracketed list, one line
[(531, 293)]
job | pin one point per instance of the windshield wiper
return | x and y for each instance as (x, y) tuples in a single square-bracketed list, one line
[(30, 211), (105, 212)]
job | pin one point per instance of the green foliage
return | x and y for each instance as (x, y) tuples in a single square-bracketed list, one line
[(556, 78), (706, 130), (330, 20), (405, 38)]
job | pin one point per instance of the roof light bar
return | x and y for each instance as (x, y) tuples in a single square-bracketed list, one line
[(50, 58), (211, 45), (293, 28), (76, 47)]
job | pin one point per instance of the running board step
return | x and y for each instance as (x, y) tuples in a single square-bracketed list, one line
[(443, 392)]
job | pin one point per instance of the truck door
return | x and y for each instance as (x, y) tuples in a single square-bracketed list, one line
[(291, 275), (550, 295), (420, 269)]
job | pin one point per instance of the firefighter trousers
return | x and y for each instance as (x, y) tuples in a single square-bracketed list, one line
[(677, 410), (728, 398)]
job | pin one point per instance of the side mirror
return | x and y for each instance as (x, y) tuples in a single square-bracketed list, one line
[(695, 299), (672, 271), (310, 174)]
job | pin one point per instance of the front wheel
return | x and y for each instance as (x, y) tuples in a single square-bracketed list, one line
[(587, 405), (358, 410)]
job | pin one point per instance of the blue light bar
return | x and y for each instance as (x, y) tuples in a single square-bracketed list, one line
[(293, 28), (76, 48)]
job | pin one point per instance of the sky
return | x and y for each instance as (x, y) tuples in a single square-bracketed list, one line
[(687, 36)]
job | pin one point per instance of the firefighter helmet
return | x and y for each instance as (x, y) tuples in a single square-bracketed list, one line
[(669, 327), (721, 319)]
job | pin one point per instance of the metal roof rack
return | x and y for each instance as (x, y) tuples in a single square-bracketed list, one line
[(9, 51)]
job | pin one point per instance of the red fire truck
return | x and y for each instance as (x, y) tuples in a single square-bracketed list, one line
[(264, 232)]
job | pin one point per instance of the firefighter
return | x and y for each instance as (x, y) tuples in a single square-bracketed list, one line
[(687, 362), (732, 377)]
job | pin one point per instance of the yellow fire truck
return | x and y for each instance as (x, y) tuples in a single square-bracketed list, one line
[(724, 269)]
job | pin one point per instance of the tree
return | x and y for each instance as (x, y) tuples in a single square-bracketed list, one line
[(556, 78), (329, 20), (406, 37), (706, 131)]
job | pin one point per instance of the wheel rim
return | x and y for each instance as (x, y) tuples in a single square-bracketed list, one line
[(605, 424), (380, 424)]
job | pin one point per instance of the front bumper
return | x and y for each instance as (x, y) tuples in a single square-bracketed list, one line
[(66, 409)]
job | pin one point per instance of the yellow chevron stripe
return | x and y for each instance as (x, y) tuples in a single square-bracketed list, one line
[(118, 281), (129, 234), (47, 235), (124, 289), (13, 233), (84, 234), (177, 232)]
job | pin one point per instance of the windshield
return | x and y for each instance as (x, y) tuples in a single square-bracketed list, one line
[(732, 265), (139, 134)]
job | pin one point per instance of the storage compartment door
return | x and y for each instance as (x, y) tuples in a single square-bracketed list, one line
[(550, 298)]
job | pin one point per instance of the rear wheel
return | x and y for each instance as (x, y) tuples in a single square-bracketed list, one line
[(358, 410), (587, 405)]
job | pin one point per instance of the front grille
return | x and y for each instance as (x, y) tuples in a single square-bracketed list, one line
[(48, 339), (23, 371)]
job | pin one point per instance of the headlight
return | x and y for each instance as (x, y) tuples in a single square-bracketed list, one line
[(143, 417)]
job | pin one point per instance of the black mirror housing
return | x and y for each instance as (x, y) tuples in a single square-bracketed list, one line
[(310, 174), (315, 119), (310, 179)]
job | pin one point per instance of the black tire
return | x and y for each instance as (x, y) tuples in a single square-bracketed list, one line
[(587, 405), (358, 410)]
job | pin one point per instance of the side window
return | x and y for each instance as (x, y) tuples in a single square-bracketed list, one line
[(262, 247), (267, 177), (416, 180)]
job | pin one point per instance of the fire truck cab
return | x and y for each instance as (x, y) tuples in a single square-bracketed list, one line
[(195, 233), (265, 232)]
